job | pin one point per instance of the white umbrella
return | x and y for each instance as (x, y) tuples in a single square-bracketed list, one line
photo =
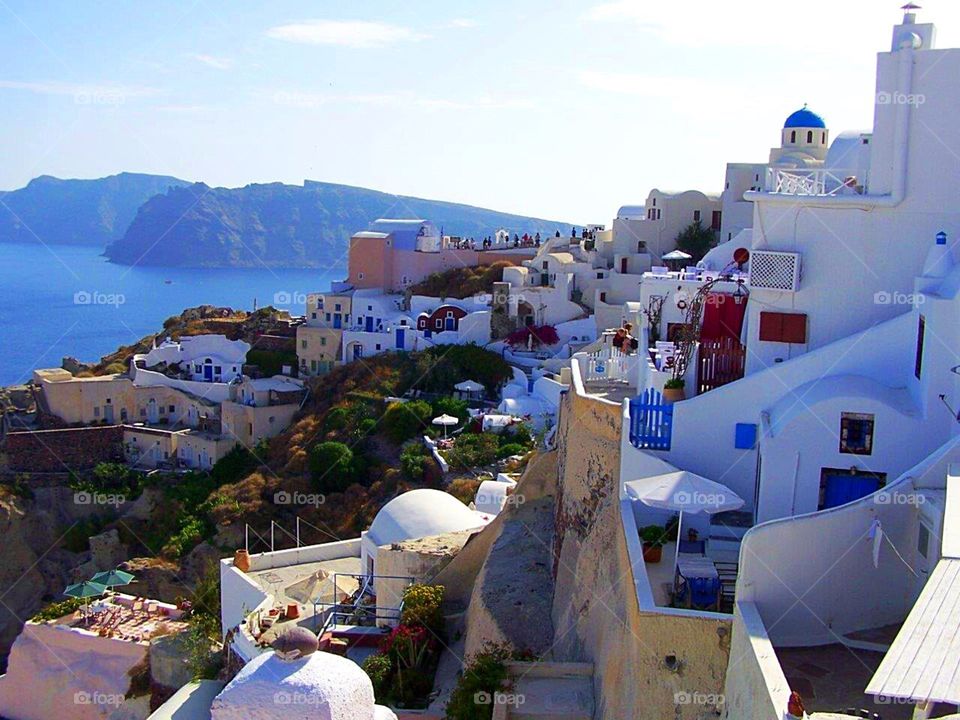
[(677, 255), (446, 421), (683, 491)]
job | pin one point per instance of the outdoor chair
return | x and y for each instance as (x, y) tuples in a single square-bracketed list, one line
[(660, 271), (704, 592)]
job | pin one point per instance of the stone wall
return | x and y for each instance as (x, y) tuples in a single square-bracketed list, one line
[(65, 449), (642, 662)]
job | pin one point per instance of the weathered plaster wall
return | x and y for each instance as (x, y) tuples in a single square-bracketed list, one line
[(596, 614)]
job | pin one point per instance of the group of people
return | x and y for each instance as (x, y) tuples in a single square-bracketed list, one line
[(624, 341)]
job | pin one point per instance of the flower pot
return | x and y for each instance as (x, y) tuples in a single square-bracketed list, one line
[(652, 553), (672, 395), (241, 560)]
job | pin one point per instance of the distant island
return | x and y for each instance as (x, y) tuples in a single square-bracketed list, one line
[(163, 221)]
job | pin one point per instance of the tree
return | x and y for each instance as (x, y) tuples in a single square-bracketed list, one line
[(402, 421), (332, 466), (696, 240)]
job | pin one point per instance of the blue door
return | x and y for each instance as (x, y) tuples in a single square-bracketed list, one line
[(368, 323), (208, 373), (451, 324), (842, 487), (337, 321), (400, 338)]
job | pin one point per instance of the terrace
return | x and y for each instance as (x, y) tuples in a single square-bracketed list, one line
[(126, 618)]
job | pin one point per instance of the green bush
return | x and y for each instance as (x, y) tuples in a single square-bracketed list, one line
[(438, 369), (413, 461), (337, 419), (509, 449), (237, 464), (57, 610), (451, 406), (423, 605), (332, 466), (403, 421), (519, 434), (378, 668), (473, 450), (486, 673)]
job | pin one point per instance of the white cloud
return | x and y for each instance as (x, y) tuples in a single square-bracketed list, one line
[(399, 100), (109, 94), (344, 33), (218, 63)]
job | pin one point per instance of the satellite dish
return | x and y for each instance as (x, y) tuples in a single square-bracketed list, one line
[(741, 256)]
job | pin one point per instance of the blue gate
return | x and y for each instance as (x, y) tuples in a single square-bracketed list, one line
[(651, 421)]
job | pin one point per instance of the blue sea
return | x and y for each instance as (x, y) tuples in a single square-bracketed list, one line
[(61, 300)]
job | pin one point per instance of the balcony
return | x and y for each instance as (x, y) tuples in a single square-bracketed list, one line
[(815, 183)]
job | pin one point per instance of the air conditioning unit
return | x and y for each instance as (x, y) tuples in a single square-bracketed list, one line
[(773, 270)]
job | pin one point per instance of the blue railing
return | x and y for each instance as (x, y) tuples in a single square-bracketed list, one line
[(651, 421)]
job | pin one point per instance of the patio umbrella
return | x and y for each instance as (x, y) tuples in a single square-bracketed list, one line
[(470, 386), (112, 578), (683, 491), (309, 589), (446, 421), (677, 255), (85, 590)]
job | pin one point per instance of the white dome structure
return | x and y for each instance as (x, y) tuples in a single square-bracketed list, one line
[(322, 686), (417, 514)]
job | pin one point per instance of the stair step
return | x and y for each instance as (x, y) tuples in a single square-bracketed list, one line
[(553, 698)]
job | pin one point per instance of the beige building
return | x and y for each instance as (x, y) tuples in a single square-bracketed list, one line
[(319, 339)]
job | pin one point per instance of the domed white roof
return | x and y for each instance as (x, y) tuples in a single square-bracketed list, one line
[(321, 686), (421, 513)]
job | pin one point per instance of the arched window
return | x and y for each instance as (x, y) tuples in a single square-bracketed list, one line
[(793, 136), (809, 136), (823, 138)]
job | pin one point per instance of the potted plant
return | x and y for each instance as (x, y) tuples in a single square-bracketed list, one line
[(653, 539), (673, 390)]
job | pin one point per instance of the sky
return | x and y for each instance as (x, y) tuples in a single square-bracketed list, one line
[(552, 108)]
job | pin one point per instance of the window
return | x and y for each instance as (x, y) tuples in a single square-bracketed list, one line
[(599, 276), (823, 137), (658, 213), (328, 317), (270, 419), (809, 136), (323, 341), (603, 297), (918, 358), (250, 428), (449, 313), (696, 216), (96, 411), (727, 186), (641, 246), (654, 202), (923, 540), (172, 408), (143, 412), (198, 368), (313, 366), (313, 316), (303, 344), (715, 220), (783, 327), (337, 307), (546, 265), (378, 346), (369, 307), (438, 323), (360, 276), (217, 369), (793, 136), (856, 433)]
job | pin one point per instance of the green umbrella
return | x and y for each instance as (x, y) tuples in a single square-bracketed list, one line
[(112, 578), (85, 589)]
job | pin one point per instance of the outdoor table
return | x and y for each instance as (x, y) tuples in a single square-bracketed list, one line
[(693, 566)]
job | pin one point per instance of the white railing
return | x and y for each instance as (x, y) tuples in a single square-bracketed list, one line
[(608, 365), (816, 183)]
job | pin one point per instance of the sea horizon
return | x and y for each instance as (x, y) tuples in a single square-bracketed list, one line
[(70, 301)]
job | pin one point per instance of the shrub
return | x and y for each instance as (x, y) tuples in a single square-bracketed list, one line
[(237, 464), (473, 450), (57, 610), (696, 240), (423, 605), (413, 461), (337, 419), (332, 466), (403, 421), (519, 434), (451, 406), (378, 669), (542, 335), (509, 449), (486, 673)]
